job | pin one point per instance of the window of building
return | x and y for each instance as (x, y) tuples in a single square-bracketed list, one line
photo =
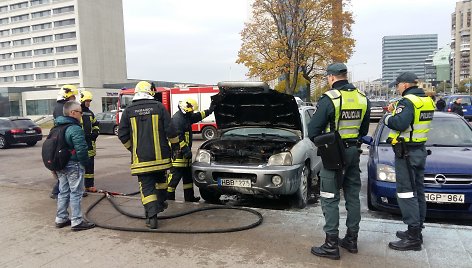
[(468, 18), (65, 36), (22, 66), (4, 21), (41, 14), (24, 29), (40, 107), (68, 74), (67, 61), (5, 33), (3, 9), (5, 44), (66, 48), (45, 76), (19, 18), (63, 10), (6, 79), (109, 103), (62, 23), (19, 5), (5, 56), (22, 42), (28, 77), (46, 63), (42, 26), (39, 2), (43, 51), (42, 39), (22, 54), (6, 67)]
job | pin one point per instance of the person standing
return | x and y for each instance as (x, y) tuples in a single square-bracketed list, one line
[(92, 130), (145, 130), (457, 107), (182, 120), (346, 109), (71, 178), (440, 104), (410, 123)]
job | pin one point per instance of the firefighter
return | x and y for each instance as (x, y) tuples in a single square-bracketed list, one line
[(410, 123), (145, 130), (92, 130), (182, 120), (346, 109)]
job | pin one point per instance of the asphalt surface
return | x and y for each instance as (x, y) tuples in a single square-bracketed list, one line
[(30, 239)]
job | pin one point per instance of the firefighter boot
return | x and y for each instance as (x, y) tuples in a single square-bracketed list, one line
[(349, 242), (329, 249), (153, 222), (161, 200), (412, 241), (170, 195), (189, 196), (146, 216)]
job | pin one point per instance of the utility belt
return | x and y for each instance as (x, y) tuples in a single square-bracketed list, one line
[(401, 148), (351, 143)]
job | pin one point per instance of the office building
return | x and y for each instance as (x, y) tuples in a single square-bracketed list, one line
[(460, 45)]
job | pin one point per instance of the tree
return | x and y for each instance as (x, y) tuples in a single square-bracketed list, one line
[(464, 85), (287, 37), (443, 87)]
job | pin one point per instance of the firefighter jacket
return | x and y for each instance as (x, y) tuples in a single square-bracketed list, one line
[(145, 130), (412, 116), (91, 130), (183, 127)]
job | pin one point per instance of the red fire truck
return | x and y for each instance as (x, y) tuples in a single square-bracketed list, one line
[(170, 97)]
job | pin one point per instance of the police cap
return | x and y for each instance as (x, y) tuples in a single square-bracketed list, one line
[(336, 69), (406, 77)]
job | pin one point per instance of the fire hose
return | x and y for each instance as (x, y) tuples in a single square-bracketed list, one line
[(110, 196)]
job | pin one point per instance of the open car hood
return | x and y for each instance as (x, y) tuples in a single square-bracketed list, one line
[(255, 104)]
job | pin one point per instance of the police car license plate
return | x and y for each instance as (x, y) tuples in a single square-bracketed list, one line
[(444, 198), (234, 183)]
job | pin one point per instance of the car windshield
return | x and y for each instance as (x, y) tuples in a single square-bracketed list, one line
[(262, 133), (453, 132), (22, 123)]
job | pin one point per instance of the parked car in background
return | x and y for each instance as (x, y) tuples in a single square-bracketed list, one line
[(107, 123), (466, 104), (18, 130), (448, 171), (378, 108), (263, 148)]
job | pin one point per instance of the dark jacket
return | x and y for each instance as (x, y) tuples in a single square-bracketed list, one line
[(91, 128), (183, 124), (75, 139), (440, 105), (405, 111), (457, 108)]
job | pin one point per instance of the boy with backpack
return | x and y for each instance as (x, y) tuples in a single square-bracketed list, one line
[(74, 156)]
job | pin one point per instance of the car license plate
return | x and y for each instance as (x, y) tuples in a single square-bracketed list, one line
[(235, 183), (30, 131), (444, 198)]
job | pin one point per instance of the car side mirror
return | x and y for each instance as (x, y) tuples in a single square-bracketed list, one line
[(367, 140)]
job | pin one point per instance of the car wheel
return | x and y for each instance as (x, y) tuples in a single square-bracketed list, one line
[(210, 196), (3, 142), (115, 130), (300, 198), (209, 133), (31, 143), (370, 206)]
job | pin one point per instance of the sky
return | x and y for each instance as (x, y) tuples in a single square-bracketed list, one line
[(198, 41)]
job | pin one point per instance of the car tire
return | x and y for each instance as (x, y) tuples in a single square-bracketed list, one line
[(3, 142), (115, 130), (300, 198), (31, 143), (210, 196), (209, 133), (370, 206)]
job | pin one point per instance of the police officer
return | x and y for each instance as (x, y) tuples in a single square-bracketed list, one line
[(182, 120), (145, 130), (91, 130), (346, 109), (410, 124)]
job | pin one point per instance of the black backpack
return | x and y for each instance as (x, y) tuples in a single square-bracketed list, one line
[(55, 151)]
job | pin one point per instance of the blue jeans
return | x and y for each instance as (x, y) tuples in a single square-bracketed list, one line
[(71, 188)]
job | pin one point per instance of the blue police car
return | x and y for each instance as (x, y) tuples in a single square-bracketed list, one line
[(448, 171)]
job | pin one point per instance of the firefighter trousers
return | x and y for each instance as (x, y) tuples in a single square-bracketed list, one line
[(89, 180), (175, 175), (153, 192)]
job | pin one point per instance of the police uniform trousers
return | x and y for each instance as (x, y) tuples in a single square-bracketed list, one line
[(152, 187), (89, 180), (330, 194), (176, 174), (410, 185)]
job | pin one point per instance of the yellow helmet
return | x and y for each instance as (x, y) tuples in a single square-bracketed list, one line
[(188, 105), (143, 87), (68, 91), (85, 95)]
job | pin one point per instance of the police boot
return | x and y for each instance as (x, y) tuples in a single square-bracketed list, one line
[(329, 249), (189, 196), (349, 242), (412, 241), (153, 222), (404, 235)]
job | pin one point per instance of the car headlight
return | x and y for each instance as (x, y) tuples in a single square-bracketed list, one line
[(386, 173), (203, 156), (282, 159)]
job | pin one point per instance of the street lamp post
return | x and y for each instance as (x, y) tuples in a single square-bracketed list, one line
[(351, 66)]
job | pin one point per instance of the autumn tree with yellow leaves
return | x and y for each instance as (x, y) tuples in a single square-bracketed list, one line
[(295, 39)]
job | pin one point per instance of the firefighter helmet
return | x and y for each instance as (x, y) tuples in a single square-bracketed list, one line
[(188, 105), (85, 96), (144, 87), (68, 91)]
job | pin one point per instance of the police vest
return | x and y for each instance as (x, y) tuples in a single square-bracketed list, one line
[(418, 130), (350, 108)]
